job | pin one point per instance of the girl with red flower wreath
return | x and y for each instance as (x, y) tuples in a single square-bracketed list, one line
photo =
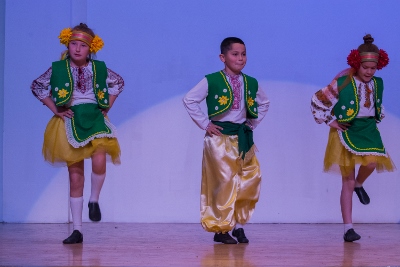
[(352, 106)]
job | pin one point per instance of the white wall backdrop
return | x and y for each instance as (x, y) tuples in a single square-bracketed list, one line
[(162, 49)]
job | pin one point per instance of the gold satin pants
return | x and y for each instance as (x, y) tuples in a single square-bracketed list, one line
[(230, 188)]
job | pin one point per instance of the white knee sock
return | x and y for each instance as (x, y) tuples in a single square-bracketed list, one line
[(76, 210), (347, 226), (97, 181)]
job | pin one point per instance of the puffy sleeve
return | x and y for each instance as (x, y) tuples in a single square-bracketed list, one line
[(192, 101), (263, 106), (114, 82), (323, 101), (40, 86)]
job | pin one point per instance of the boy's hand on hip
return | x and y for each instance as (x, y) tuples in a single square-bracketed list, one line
[(213, 129)]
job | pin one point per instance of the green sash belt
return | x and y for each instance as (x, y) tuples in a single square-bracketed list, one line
[(363, 138), (244, 133), (87, 124)]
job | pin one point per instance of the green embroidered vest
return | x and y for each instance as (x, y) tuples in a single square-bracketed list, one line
[(348, 106), (220, 94), (62, 83)]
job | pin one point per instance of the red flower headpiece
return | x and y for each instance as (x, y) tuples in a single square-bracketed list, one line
[(383, 59), (354, 59)]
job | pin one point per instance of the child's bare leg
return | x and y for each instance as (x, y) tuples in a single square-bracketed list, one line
[(346, 204), (76, 179), (364, 172), (99, 162), (97, 180), (346, 197)]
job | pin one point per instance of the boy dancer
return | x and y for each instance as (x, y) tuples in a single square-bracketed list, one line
[(231, 173)]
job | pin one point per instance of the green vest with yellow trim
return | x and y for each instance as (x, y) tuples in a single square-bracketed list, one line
[(220, 94), (348, 106), (62, 84)]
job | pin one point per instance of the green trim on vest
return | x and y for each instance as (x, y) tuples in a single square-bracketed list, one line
[(62, 84), (348, 106), (220, 94)]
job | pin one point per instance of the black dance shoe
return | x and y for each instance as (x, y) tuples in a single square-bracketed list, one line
[(224, 238), (351, 236), (94, 211), (240, 236), (362, 195), (75, 238)]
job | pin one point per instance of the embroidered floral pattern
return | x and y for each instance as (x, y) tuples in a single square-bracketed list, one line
[(100, 95), (250, 102), (365, 92), (39, 86), (368, 93), (236, 85), (350, 112), (82, 78), (223, 100), (62, 93), (323, 98)]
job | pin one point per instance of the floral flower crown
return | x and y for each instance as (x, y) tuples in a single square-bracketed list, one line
[(67, 35), (355, 58)]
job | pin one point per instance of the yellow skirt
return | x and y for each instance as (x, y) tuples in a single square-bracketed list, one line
[(339, 159), (58, 151)]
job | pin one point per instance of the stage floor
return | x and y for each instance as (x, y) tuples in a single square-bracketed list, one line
[(137, 244)]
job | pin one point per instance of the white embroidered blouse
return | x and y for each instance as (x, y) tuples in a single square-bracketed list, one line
[(198, 93), (323, 101), (83, 85)]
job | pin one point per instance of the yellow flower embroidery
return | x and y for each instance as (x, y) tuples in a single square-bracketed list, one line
[(350, 112), (379, 110), (250, 101), (100, 95), (62, 93), (223, 100)]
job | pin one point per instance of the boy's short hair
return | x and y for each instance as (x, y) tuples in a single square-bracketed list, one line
[(226, 43)]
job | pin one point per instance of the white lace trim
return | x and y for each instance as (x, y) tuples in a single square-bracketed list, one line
[(359, 153), (77, 144)]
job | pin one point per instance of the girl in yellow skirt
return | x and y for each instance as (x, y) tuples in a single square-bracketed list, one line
[(81, 93), (352, 106)]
